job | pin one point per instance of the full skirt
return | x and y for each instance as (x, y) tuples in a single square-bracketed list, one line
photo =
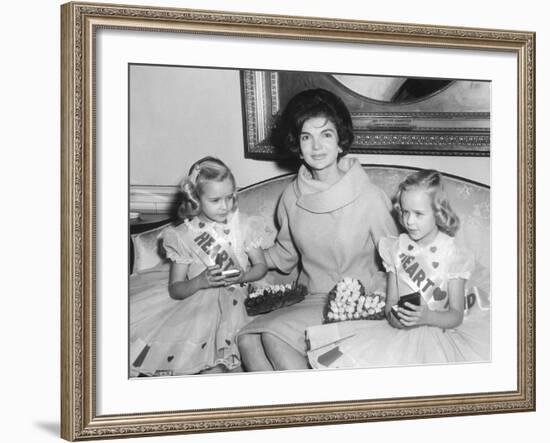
[(375, 343), (175, 337)]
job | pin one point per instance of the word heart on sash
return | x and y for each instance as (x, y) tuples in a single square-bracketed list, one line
[(214, 251), (424, 276)]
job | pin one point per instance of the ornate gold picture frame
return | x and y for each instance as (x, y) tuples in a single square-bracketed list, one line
[(82, 407)]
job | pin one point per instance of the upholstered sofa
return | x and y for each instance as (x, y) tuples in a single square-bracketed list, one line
[(470, 200)]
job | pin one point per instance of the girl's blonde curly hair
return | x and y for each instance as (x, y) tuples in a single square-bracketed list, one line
[(205, 170), (446, 219)]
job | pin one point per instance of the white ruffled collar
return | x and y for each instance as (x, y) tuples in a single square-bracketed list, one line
[(439, 244), (218, 230)]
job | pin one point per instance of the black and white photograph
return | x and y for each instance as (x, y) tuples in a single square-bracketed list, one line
[(294, 220)]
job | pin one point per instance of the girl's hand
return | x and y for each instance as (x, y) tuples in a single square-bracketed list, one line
[(393, 320), (212, 277), (412, 315), (228, 281)]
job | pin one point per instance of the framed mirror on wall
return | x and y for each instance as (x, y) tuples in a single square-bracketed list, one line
[(391, 115)]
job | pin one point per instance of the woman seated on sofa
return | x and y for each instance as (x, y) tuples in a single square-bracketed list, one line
[(330, 219)]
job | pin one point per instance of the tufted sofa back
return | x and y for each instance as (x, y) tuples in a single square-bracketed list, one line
[(470, 201)]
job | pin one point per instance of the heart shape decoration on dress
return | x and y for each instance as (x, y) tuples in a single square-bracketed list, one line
[(439, 294), (170, 357), (435, 264), (433, 249), (201, 225), (226, 231), (410, 248)]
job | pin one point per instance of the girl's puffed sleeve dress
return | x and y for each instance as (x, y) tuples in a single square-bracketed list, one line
[(331, 233), (423, 269), (175, 337)]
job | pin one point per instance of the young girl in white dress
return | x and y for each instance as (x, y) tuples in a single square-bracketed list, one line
[(188, 324), (427, 261)]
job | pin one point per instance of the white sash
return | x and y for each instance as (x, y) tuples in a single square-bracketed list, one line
[(210, 248), (425, 275)]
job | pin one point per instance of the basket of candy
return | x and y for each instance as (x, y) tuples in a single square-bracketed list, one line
[(265, 299), (348, 300)]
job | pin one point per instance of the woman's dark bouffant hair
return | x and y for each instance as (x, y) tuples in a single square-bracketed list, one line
[(305, 105), (204, 170), (431, 180)]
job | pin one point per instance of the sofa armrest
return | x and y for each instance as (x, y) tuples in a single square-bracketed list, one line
[(146, 249)]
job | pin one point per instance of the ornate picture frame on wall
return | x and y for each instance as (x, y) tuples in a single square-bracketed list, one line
[(101, 42)]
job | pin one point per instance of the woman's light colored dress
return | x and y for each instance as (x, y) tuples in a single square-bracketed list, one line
[(329, 232)]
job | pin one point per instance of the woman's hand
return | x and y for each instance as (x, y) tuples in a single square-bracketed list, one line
[(412, 315), (211, 277)]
